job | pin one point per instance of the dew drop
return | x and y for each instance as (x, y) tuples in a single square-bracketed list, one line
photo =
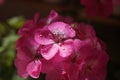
[(49, 34), (40, 35)]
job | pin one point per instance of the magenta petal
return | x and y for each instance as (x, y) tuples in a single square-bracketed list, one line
[(66, 48), (21, 67), (36, 17), (49, 51), (45, 63), (34, 68), (22, 55), (53, 75), (43, 37), (53, 15), (61, 28), (26, 27), (79, 44)]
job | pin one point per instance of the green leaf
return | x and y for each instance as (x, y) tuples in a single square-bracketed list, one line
[(7, 49), (16, 22), (16, 77), (3, 29)]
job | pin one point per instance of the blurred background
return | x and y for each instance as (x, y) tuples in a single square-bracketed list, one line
[(13, 13)]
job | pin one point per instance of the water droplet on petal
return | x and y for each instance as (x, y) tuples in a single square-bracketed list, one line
[(40, 35)]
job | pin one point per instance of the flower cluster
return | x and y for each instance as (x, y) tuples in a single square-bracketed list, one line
[(60, 48), (99, 7)]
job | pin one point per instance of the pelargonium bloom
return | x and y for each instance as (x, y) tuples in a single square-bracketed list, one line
[(98, 7), (93, 63), (27, 60), (56, 39), (60, 48)]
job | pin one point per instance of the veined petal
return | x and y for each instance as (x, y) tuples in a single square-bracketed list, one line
[(34, 68), (36, 17), (53, 15), (80, 43), (66, 48), (62, 29), (21, 67), (43, 37), (49, 51), (26, 27), (53, 75)]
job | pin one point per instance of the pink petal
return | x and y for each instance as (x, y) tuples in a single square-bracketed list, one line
[(86, 31), (36, 17), (43, 37), (34, 68), (23, 55), (49, 51), (79, 44), (53, 75), (27, 43), (54, 64), (66, 48), (53, 15), (26, 27), (62, 29), (45, 63), (21, 67)]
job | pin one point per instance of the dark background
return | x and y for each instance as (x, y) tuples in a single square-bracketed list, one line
[(108, 29)]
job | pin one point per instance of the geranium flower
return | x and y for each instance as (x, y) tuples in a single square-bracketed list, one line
[(28, 59), (36, 23), (28, 56), (88, 62), (93, 64), (61, 49), (98, 7), (56, 39)]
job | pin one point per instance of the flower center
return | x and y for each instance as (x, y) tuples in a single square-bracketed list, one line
[(58, 36), (75, 59), (37, 56), (89, 66)]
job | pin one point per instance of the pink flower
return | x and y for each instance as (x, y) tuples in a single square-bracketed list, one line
[(55, 68), (98, 7), (88, 63), (93, 64), (36, 23), (55, 39), (61, 49), (27, 60), (84, 31)]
